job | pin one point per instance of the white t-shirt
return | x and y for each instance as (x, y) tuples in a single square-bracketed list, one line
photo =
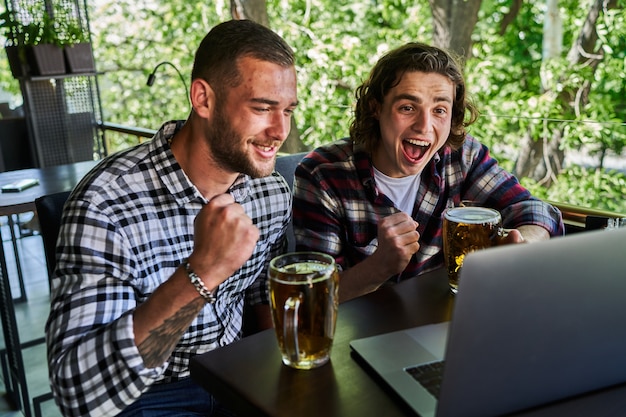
[(402, 191)]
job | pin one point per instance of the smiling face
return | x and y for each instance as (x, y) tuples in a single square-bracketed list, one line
[(415, 119), (252, 120)]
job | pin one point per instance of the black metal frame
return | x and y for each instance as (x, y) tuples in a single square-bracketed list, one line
[(11, 359), (63, 112)]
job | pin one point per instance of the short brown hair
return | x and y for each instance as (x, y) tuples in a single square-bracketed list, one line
[(217, 56), (388, 72)]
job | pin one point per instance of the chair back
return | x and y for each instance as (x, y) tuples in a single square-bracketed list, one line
[(286, 166), (49, 209)]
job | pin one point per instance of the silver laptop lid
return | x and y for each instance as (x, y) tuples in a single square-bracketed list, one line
[(547, 323)]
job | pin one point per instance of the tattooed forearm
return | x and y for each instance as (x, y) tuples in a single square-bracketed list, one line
[(158, 346)]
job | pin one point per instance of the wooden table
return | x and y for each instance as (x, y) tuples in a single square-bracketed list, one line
[(248, 376), (51, 180)]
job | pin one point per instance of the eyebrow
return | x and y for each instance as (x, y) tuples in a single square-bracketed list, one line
[(411, 97), (271, 102)]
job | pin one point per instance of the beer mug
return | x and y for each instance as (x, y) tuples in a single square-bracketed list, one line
[(467, 229), (304, 295)]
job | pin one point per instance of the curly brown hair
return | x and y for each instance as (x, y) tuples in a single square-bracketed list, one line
[(388, 72)]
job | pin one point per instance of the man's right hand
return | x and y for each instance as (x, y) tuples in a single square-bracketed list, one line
[(398, 240), (224, 238)]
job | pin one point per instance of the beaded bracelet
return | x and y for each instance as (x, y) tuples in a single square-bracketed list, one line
[(199, 285)]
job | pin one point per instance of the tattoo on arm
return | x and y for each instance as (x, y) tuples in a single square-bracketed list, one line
[(158, 346)]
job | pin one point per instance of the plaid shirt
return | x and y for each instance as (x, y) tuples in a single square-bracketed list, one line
[(337, 205), (126, 228)]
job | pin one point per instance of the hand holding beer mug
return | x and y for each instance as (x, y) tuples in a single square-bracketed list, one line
[(304, 295), (465, 230)]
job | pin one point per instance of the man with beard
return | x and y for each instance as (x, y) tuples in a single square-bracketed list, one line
[(162, 245), (375, 201)]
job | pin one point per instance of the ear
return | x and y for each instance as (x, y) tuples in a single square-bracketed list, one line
[(202, 98)]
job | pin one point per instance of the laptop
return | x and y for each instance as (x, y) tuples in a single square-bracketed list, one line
[(532, 324)]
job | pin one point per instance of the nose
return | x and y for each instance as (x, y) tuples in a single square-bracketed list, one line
[(422, 121), (280, 126)]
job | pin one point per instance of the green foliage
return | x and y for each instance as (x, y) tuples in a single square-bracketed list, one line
[(31, 26), (505, 78), (49, 31), (585, 187), (9, 25), (336, 44), (130, 39), (506, 72), (338, 41), (72, 32)]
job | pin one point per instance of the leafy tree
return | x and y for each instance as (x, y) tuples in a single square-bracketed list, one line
[(538, 105), (528, 104), (336, 44), (453, 24)]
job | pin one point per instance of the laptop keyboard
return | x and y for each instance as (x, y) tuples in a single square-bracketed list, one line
[(429, 375)]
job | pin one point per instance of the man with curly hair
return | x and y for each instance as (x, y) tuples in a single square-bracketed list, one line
[(375, 200)]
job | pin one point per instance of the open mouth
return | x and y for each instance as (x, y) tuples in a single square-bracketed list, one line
[(267, 151), (265, 148), (415, 149)]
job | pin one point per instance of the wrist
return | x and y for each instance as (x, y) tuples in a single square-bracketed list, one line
[(380, 270), (208, 295)]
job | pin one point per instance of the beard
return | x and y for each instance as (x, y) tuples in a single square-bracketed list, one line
[(224, 143)]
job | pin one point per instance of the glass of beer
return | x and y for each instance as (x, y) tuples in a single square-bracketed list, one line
[(304, 297), (467, 229)]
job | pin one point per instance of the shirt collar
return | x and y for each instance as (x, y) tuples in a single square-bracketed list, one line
[(173, 176)]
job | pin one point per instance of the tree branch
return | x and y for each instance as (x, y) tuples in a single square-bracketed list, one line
[(509, 18)]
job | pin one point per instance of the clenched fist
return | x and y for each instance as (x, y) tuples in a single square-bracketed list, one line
[(224, 238)]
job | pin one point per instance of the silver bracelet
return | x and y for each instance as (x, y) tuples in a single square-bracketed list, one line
[(199, 285)]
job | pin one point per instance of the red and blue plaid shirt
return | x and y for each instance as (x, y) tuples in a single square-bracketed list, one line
[(337, 205)]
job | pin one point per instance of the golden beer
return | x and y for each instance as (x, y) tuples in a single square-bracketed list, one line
[(303, 299), (465, 230)]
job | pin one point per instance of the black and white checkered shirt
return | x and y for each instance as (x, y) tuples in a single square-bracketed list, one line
[(126, 228)]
